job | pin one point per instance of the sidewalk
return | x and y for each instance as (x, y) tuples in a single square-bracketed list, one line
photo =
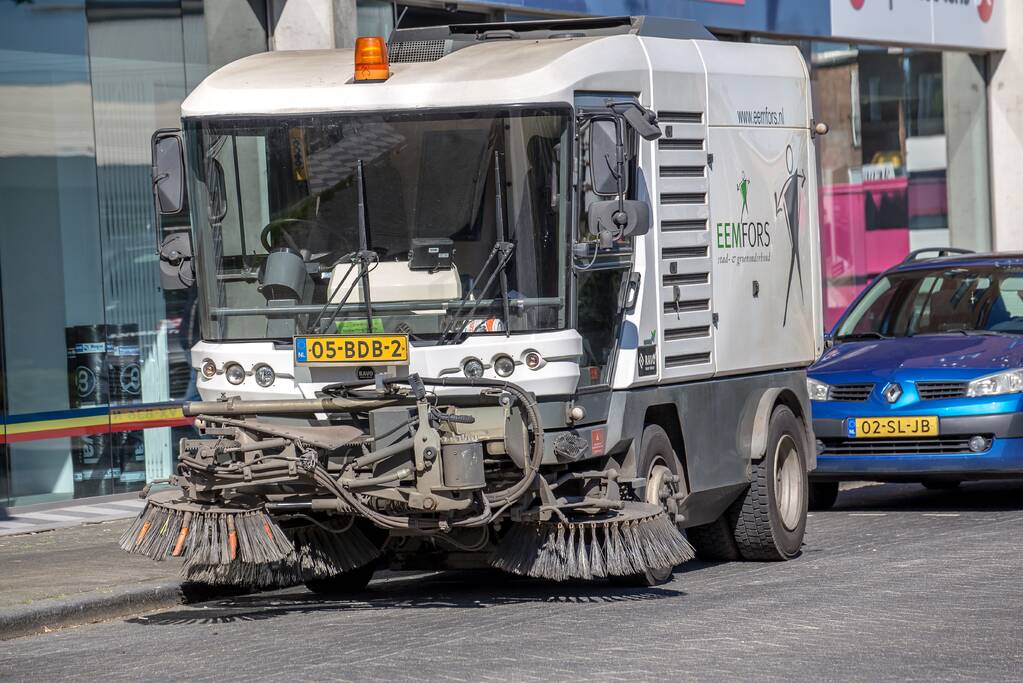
[(30, 519), (78, 575)]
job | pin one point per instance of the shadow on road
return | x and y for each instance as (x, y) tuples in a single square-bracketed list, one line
[(459, 590), (970, 497)]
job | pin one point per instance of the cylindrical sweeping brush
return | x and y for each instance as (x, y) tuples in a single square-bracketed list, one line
[(630, 541), (240, 544), (170, 526), (319, 552)]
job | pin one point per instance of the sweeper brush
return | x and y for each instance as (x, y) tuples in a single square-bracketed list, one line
[(173, 526), (239, 544), (320, 552), (637, 538)]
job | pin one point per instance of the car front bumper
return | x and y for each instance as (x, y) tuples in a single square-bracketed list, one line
[(909, 460)]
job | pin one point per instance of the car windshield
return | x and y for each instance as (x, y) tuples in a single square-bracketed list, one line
[(282, 237), (939, 300)]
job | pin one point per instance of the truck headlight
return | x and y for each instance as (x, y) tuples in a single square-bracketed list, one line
[(1008, 382), (818, 391), (264, 375), (234, 373)]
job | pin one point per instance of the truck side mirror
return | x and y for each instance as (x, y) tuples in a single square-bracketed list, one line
[(603, 155), (168, 171), (612, 220), (176, 268)]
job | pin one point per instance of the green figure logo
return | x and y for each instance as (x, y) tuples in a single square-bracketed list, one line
[(743, 188)]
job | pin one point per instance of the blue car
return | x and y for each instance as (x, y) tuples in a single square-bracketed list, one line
[(922, 380)]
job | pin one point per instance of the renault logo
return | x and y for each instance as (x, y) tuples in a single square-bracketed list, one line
[(892, 392)]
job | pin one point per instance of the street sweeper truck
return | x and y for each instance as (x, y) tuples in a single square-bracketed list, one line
[(537, 295)]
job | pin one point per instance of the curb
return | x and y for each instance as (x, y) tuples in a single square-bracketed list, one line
[(45, 615)]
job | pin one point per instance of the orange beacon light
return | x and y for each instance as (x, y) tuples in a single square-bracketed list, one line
[(371, 59)]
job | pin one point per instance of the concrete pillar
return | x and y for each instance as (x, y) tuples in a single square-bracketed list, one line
[(1006, 133), (313, 24), (966, 136)]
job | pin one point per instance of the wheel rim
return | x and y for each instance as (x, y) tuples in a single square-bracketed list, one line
[(658, 484), (788, 491)]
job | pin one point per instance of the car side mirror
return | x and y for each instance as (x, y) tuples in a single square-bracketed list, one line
[(168, 171), (611, 220), (829, 340)]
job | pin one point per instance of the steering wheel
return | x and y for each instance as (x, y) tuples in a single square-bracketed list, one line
[(282, 227)]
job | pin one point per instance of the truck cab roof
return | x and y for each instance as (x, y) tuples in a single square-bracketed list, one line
[(516, 63)]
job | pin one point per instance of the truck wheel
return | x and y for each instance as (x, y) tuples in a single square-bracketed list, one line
[(823, 495), (659, 464), (770, 520), (714, 542), (344, 583)]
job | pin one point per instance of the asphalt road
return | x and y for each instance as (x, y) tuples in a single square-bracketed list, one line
[(895, 583)]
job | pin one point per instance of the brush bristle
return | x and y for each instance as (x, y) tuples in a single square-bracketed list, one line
[(317, 554), (245, 548), (557, 551)]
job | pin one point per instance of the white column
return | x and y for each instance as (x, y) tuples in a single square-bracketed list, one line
[(1006, 135), (313, 24)]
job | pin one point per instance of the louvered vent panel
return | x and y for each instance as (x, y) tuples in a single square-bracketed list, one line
[(687, 341)]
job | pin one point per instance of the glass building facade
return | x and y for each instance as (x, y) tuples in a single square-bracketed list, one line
[(94, 356)]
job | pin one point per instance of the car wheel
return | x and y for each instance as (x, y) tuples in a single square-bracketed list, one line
[(770, 519), (823, 495)]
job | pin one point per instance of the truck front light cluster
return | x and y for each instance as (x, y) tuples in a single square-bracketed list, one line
[(234, 373), (264, 375), (818, 391), (472, 368), (208, 369), (504, 366), (1008, 382)]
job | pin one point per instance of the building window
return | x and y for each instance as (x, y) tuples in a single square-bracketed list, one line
[(904, 166)]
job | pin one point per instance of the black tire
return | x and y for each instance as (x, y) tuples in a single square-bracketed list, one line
[(345, 583), (656, 449), (763, 530), (714, 542), (823, 495), (941, 484)]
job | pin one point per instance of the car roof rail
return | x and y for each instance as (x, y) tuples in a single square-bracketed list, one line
[(940, 251)]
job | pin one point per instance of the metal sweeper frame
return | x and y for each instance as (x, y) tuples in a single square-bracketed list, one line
[(536, 296)]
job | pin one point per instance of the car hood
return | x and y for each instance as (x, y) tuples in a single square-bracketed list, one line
[(951, 352)]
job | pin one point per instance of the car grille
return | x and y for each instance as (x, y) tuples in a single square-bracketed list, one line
[(942, 444), (850, 392), (930, 391)]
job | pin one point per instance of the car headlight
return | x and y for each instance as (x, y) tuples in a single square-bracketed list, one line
[(818, 391), (1008, 382)]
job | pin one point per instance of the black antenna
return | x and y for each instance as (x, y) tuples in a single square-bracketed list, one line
[(364, 248)]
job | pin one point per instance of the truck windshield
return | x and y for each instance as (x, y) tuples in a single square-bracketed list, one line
[(276, 221), (967, 300)]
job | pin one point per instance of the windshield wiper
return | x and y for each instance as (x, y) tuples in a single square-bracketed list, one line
[(863, 335), (501, 255), (357, 259)]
